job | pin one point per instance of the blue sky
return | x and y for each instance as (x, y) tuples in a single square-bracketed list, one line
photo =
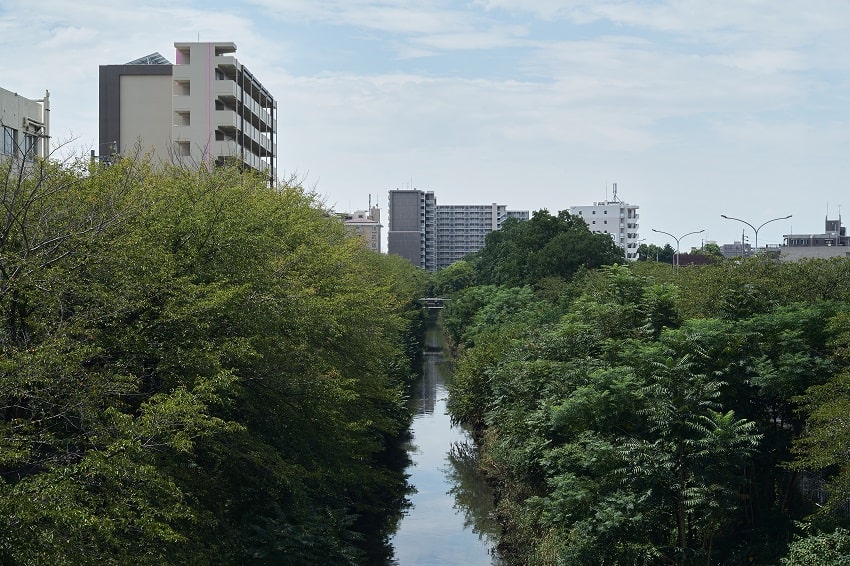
[(695, 109)]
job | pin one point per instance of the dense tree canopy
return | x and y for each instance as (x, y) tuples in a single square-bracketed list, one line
[(196, 368), (522, 253), (646, 415)]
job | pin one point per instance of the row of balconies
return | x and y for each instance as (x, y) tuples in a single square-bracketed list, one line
[(226, 121), (230, 93)]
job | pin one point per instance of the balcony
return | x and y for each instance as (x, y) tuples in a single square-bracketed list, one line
[(225, 119), (226, 89), (226, 63)]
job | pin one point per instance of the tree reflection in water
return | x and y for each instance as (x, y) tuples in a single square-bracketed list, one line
[(472, 496)]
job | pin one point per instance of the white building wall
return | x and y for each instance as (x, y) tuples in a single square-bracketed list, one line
[(145, 116), (615, 218), (24, 125), (206, 109), (220, 110)]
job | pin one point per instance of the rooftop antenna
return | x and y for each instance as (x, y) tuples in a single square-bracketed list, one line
[(615, 192)]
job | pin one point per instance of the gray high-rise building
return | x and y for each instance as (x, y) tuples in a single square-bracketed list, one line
[(434, 236), (412, 226), (205, 109)]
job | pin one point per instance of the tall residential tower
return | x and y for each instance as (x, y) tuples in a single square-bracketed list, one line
[(434, 236)]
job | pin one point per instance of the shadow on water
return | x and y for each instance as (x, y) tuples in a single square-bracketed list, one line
[(449, 519)]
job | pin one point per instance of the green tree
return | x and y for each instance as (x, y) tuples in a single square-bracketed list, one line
[(523, 253), (820, 549), (653, 252), (195, 367), (451, 279)]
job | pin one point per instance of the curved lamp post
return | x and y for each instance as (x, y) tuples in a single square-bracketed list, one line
[(756, 230), (676, 262)]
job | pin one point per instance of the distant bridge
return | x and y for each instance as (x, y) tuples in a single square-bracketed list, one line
[(433, 302)]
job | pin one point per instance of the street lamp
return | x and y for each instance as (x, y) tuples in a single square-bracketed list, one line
[(756, 230), (676, 262)]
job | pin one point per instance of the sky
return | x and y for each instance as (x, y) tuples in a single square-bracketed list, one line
[(693, 108)]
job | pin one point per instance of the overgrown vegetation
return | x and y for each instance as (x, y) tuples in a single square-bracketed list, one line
[(195, 369), (641, 415)]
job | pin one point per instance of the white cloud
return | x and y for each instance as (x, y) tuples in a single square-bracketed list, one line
[(692, 107)]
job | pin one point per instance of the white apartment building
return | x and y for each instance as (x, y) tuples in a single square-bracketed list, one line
[(206, 109), (25, 124), (615, 218), (461, 228)]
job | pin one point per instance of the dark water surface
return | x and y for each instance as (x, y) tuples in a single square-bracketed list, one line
[(449, 520)]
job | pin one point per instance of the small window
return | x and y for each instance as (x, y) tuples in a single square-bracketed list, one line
[(183, 149), (30, 146), (183, 56), (605, 212), (10, 138)]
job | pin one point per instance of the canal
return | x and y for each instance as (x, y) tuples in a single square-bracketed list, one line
[(450, 517)]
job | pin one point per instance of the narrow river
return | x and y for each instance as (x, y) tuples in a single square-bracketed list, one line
[(449, 521)]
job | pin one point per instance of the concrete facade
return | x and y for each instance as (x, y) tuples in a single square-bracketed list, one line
[(434, 236), (461, 228), (615, 218), (832, 242), (205, 109), (412, 225), (367, 225), (737, 249), (24, 125)]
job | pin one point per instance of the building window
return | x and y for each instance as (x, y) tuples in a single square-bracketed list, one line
[(30, 146), (183, 149), (605, 212), (9, 138), (182, 88), (183, 56)]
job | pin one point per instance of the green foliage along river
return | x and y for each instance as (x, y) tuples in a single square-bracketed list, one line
[(195, 368), (641, 415)]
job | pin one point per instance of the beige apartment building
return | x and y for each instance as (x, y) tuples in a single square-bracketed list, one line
[(25, 125), (207, 108), (367, 225)]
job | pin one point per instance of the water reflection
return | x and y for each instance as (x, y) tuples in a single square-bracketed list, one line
[(473, 496), (449, 521)]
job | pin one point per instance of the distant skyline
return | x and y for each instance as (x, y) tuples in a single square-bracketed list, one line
[(694, 109)]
